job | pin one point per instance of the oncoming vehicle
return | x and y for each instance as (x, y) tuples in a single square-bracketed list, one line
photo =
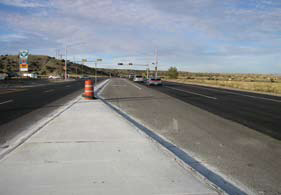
[(138, 78), (131, 76), (154, 81)]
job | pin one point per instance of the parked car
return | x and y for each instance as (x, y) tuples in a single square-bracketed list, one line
[(3, 76), (12, 74), (54, 77), (30, 75), (154, 81), (138, 78)]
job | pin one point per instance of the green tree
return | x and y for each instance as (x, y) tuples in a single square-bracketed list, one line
[(173, 73)]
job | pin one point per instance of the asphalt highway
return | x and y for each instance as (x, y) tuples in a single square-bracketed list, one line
[(256, 111), (20, 107), (234, 133)]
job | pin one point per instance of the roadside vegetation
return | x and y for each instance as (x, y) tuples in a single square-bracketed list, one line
[(172, 73), (250, 82)]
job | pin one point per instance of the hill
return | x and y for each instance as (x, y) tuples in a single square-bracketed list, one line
[(45, 65)]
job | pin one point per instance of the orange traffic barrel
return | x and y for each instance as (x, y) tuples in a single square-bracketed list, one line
[(89, 90)]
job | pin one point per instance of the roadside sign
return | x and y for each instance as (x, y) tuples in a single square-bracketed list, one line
[(84, 60), (23, 62)]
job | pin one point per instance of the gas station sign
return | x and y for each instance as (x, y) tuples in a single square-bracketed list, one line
[(23, 60)]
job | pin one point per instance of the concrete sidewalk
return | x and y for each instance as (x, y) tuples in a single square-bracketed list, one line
[(89, 149)]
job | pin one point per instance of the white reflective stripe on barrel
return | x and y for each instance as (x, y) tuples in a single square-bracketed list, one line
[(88, 85), (88, 91)]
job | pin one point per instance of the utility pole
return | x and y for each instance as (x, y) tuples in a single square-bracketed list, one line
[(96, 61), (65, 64), (76, 66), (147, 69), (156, 62)]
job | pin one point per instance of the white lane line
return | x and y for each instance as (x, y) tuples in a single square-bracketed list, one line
[(133, 85), (199, 94), (48, 91), (67, 85), (119, 85), (104, 86), (251, 96), (7, 102)]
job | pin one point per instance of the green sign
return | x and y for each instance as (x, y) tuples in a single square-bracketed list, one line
[(23, 60)]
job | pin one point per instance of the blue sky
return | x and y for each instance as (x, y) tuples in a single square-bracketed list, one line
[(229, 36)]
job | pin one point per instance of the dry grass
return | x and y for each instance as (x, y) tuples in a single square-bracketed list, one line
[(267, 87)]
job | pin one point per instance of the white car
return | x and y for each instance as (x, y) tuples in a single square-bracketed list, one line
[(131, 76), (3, 76), (138, 78), (154, 81), (54, 77)]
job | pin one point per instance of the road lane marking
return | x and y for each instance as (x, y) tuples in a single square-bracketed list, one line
[(119, 85), (11, 91), (133, 85), (199, 94), (67, 85), (101, 90), (48, 91), (7, 102), (256, 97)]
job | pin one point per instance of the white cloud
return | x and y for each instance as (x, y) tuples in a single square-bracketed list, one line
[(186, 31), (11, 37), (24, 3)]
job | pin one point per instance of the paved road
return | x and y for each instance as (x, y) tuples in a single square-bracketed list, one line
[(20, 107), (256, 111), (208, 124)]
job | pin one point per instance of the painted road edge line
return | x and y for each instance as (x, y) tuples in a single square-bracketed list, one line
[(7, 102), (199, 94), (222, 90), (211, 176)]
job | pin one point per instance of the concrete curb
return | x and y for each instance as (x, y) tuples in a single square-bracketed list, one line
[(42, 123), (202, 170)]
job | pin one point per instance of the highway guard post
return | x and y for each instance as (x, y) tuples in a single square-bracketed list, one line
[(89, 90)]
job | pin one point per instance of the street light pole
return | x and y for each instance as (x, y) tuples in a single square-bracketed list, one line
[(65, 64), (97, 60), (95, 72)]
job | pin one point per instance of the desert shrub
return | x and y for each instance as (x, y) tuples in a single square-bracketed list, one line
[(173, 73)]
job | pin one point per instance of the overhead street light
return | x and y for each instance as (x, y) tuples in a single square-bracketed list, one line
[(65, 63), (120, 64)]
